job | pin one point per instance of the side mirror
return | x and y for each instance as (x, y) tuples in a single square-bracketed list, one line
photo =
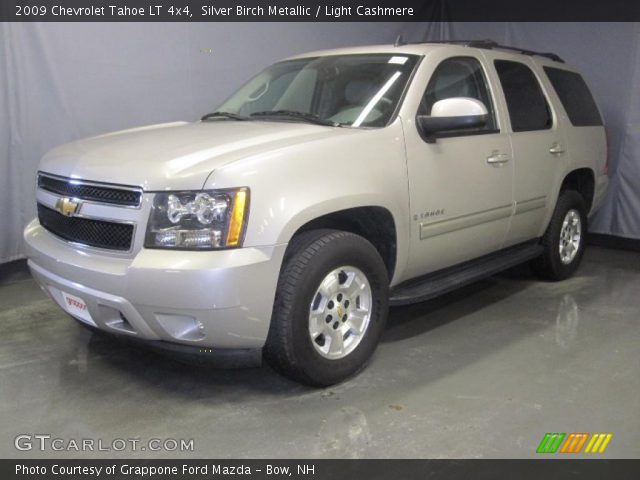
[(452, 114)]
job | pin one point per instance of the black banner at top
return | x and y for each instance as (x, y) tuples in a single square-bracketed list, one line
[(317, 10)]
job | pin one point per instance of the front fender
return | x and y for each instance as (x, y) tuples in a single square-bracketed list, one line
[(297, 184)]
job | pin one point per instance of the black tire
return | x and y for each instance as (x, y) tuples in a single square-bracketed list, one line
[(310, 257), (549, 265)]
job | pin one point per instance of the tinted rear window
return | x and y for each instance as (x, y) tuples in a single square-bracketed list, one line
[(575, 97), (526, 103)]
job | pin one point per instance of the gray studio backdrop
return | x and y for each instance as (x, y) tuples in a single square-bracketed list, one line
[(60, 82)]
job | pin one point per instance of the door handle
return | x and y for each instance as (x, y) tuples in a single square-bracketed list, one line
[(498, 158), (556, 149)]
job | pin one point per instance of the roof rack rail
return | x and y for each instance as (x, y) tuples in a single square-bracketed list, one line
[(490, 45)]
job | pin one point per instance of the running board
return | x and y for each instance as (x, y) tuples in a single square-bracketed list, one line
[(435, 284)]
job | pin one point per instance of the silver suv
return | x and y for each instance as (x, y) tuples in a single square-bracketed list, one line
[(328, 187)]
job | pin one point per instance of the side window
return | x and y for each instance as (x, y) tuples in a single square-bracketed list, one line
[(575, 97), (528, 108), (459, 77)]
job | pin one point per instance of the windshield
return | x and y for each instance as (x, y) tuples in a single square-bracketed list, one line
[(353, 90)]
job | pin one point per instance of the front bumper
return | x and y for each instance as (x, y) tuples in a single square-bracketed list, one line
[(220, 299)]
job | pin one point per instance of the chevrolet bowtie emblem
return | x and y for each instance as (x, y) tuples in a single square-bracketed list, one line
[(67, 206)]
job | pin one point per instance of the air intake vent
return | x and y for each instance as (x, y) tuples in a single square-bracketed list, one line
[(93, 233)]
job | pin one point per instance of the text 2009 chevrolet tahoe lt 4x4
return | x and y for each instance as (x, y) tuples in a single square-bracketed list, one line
[(328, 187)]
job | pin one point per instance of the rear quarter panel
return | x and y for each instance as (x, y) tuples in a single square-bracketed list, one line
[(586, 146)]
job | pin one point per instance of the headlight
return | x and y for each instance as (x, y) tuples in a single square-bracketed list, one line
[(202, 220)]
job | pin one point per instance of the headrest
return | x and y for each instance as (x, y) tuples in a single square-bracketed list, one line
[(451, 81)]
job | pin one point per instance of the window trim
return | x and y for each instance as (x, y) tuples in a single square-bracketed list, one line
[(541, 86), (492, 110)]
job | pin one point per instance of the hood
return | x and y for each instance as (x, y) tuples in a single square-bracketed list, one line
[(176, 156)]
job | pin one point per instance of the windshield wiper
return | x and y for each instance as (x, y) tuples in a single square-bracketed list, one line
[(233, 116), (307, 117)]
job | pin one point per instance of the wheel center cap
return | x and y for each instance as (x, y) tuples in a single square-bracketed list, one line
[(340, 310)]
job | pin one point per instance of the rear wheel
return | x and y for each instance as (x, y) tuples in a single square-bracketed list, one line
[(564, 240), (330, 308)]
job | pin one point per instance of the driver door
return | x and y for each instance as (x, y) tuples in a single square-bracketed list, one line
[(460, 186)]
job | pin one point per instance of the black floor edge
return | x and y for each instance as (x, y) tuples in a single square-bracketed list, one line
[(614, 242), (11, 268)]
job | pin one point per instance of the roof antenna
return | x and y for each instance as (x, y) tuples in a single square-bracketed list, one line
[(399, 41)]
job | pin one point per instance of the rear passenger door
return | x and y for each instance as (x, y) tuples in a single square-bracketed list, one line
[(537, 140)]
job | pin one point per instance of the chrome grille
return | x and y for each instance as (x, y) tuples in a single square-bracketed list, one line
[(83, 190)]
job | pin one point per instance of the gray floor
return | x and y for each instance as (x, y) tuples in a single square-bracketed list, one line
[(483, 372)]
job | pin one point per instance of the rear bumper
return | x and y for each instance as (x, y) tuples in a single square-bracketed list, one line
[(219, 299)]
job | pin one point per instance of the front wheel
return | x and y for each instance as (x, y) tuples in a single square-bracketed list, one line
[(330, 308), (564, 240)]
